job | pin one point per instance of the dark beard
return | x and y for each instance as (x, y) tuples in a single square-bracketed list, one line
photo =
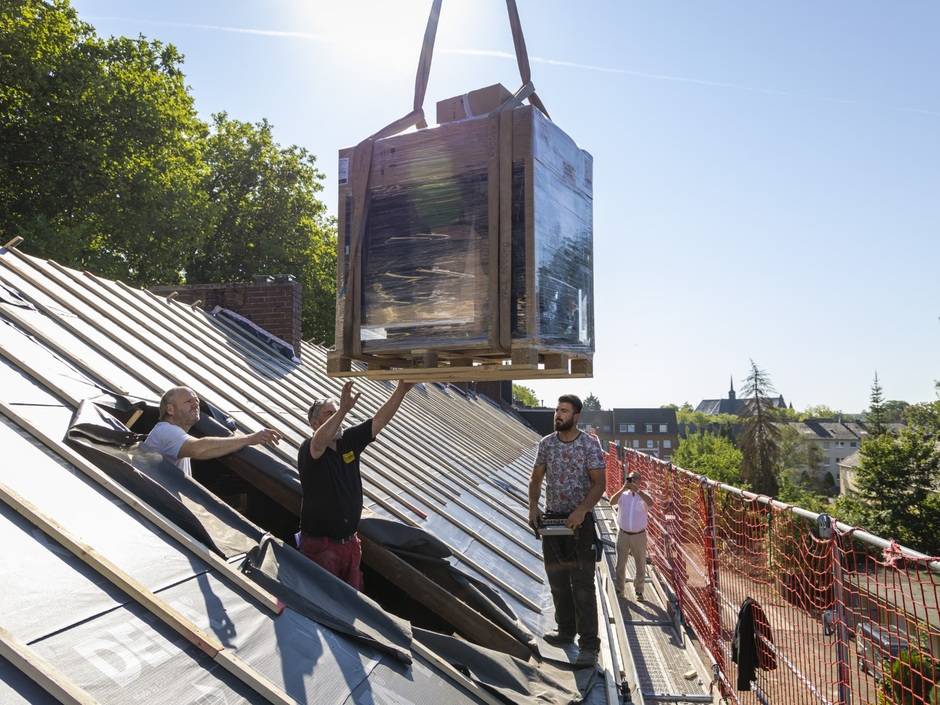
[(561, 426)]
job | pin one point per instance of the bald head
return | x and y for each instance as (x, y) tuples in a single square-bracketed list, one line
[(180, 406)]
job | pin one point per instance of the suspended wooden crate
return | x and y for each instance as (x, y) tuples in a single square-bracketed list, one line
[(465, 250)]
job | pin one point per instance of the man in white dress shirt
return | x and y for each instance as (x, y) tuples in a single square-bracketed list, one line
[(632, 504)]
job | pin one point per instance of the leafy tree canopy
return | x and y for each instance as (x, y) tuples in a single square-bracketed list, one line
[(592, 403), (710, 455), (106, 166), (524, 396)]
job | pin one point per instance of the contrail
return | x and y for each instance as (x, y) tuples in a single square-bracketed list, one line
[(681, 79), (309, 36), (329, 39)]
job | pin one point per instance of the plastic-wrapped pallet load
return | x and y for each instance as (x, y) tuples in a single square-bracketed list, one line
[(468, 241)]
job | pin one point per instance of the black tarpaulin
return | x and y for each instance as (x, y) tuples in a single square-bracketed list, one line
[(516, 681), (105, 441), (308, 589), (430, 556)]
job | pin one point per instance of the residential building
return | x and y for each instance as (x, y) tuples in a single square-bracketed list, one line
[(653, 431), (836, 441)]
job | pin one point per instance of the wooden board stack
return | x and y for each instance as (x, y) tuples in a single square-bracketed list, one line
[(466, 250)]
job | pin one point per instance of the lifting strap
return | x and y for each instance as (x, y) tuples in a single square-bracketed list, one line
[(361, 166)]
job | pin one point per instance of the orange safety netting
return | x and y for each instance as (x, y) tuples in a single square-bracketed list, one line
[(840, 621)]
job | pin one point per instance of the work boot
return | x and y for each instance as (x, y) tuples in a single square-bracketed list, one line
[(558, 638)]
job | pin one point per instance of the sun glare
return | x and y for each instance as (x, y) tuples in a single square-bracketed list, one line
[(372, 36)]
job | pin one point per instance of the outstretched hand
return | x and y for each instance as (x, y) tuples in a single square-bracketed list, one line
[(265, 435), (347, 399)]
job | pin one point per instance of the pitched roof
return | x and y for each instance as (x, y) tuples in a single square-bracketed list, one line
[(451, 465), (836, 430), (739, 407), (851, 461)]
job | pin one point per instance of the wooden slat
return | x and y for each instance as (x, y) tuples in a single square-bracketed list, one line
[(171, 617), (476, 373), (424, 652), (41, 672), (468, 622)]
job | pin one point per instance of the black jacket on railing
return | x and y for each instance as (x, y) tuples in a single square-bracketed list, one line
[(752, 647)]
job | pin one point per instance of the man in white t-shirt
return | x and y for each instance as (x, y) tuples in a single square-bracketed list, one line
[(632, 517), (179, 411)]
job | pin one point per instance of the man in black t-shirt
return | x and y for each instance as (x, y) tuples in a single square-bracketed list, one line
[(332, 486)]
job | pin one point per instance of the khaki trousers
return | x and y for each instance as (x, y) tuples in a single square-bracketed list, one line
[(631, 545)]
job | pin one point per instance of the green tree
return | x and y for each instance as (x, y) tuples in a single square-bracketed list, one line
[(801, 481), (710, 455), (105, 165), (267, 219), (876, 418), (524, 396), (797, 492), (686, 415), (818, 411), (894, 410), (100, 146), (796, 452), (896, 497), (925, 416), (760, 440), (592, 403)]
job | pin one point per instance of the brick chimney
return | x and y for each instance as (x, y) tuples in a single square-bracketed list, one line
[(270, 302)]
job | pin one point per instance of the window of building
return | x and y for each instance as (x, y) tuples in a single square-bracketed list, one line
[(663, 428), (623, 428), (650, 444), (841, 443), (606, 429), (636, 443), (853, 444), (667, 443), (649, 428), (631, 428)]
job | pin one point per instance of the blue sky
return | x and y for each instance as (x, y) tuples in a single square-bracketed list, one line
[(767, 175)]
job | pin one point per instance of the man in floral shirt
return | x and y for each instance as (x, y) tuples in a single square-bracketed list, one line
[(573, 464)]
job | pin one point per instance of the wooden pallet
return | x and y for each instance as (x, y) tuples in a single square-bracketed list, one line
[(430, 368)]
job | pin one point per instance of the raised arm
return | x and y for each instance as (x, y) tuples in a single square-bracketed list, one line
[(385, 414), (616, 495), (325, 434), (213, 447)]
